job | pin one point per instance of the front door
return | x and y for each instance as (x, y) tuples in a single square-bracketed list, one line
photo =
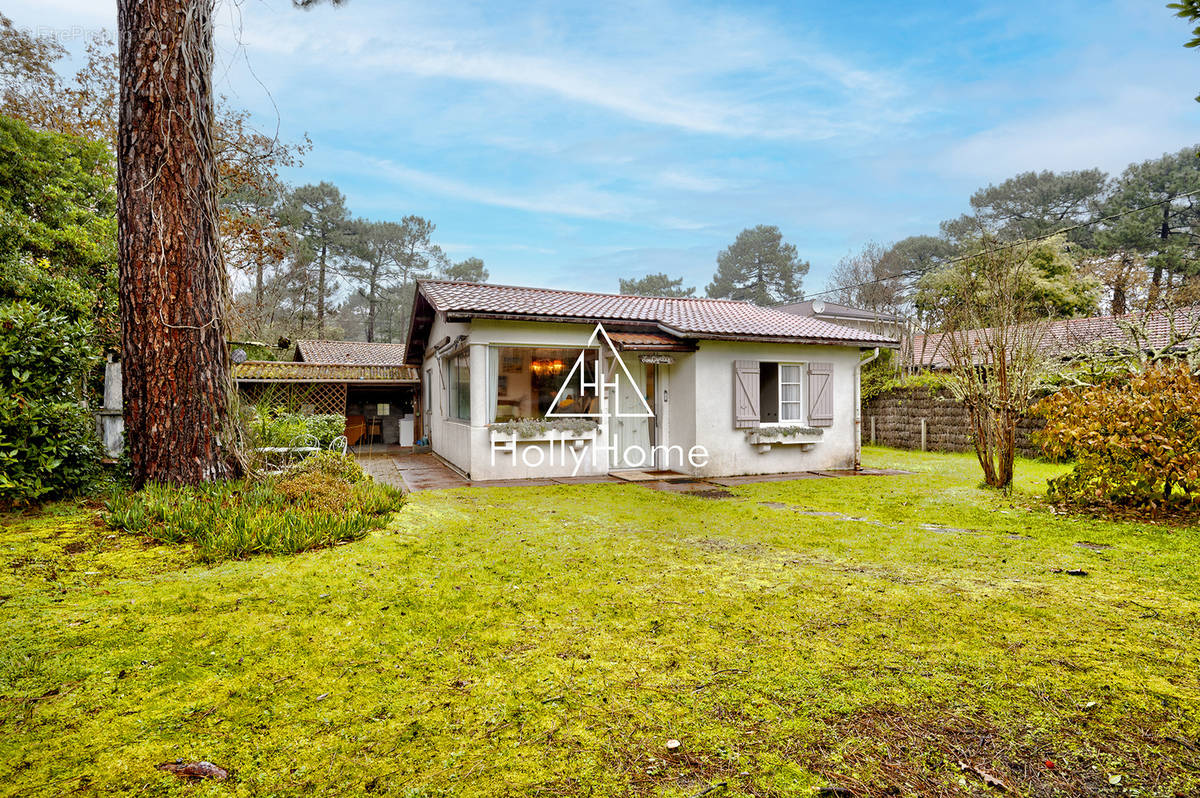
[(631, 433)]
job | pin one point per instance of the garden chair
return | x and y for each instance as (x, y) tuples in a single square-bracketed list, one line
[(339, 444)]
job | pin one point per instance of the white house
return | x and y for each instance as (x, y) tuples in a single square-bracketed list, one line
[(531, 382)]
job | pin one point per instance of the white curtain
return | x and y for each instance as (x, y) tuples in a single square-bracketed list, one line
[(493, 378)]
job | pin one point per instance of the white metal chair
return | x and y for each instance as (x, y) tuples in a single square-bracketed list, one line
[(302, 442), (339, 444)]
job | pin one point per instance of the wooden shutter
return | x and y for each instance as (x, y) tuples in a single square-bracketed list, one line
[(746, 404), (820, 394)]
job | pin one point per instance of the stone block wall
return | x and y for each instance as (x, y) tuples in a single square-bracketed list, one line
[(898, 413)]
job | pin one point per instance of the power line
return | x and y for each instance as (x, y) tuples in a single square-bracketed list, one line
[(1002, 247)]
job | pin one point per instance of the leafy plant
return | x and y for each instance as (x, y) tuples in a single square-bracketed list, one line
[(279, 427), (326, 500), (1136, 441), (875, 384), (536, 427), (47, 448), (43, 355), (48, 444)]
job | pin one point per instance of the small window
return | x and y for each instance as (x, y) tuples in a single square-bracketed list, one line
[(781, 389), (791, 392), (458, 386)]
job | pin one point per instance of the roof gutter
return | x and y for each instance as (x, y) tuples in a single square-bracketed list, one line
[(782, 339), (466, 315), (862, 361)]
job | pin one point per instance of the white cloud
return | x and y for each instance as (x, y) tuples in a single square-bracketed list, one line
[(576, 200), (690, 181), (1135, 118), (726, 76)]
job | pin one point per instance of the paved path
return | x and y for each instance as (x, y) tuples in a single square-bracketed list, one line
[(424, 471)]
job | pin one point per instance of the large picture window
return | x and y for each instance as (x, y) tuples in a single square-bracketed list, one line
[(523, 381), (458, 386)]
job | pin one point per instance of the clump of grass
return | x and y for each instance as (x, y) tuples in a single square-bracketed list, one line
[(325, 500)]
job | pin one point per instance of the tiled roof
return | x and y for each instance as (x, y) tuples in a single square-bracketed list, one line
[(640, 340), (690, 317), (291, 371), (359, 353), (1079, 336)]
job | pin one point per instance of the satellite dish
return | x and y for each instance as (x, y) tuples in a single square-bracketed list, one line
[(239, 356), (818, 306)]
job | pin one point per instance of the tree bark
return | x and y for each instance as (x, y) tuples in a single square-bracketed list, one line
[(372, 306), (321, 293), (173, 292)]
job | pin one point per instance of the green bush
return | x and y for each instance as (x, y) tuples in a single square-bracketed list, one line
[(282, 428), (43, 355), (876, 384), (37, 282), (48, 443), (47, 449), (332, 464), (878, 375), (326, 500)]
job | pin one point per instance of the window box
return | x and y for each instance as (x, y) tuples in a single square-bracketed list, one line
[(763, 438), (575, 433)]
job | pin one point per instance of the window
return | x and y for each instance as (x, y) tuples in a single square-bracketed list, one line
[(791, 392), (781, 392), (523, 381), (458, 386)]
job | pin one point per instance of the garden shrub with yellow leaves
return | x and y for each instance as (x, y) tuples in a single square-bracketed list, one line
[(1135, 441)]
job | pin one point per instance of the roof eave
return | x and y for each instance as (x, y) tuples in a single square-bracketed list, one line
[(783, 339)]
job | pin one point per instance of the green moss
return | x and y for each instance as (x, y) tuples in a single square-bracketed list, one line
[(551, 640)]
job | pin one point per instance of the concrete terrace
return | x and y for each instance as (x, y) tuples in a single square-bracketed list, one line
[(419, 471)]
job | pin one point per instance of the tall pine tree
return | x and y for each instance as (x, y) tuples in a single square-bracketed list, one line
[(759, 267)]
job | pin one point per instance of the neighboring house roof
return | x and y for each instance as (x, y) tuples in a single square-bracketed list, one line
[(359, 353), (1078, 336), (683, 317), (292, 371), (820, 307)]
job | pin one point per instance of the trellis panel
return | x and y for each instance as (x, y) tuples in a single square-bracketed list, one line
[(323, 397)]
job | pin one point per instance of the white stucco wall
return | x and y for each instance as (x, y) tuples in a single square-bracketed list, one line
[(698, 408), (450, 437), (469, 445), (730, 453)]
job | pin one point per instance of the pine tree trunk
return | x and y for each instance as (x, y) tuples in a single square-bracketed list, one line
[(321, 295), (372, 303), (173, 294), (1164, 233), (371, 311)]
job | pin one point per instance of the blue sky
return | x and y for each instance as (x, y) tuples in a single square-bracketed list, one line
[(570, 144)]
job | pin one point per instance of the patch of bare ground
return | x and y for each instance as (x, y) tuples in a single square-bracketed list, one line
[(652, 770), (884, 751)]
